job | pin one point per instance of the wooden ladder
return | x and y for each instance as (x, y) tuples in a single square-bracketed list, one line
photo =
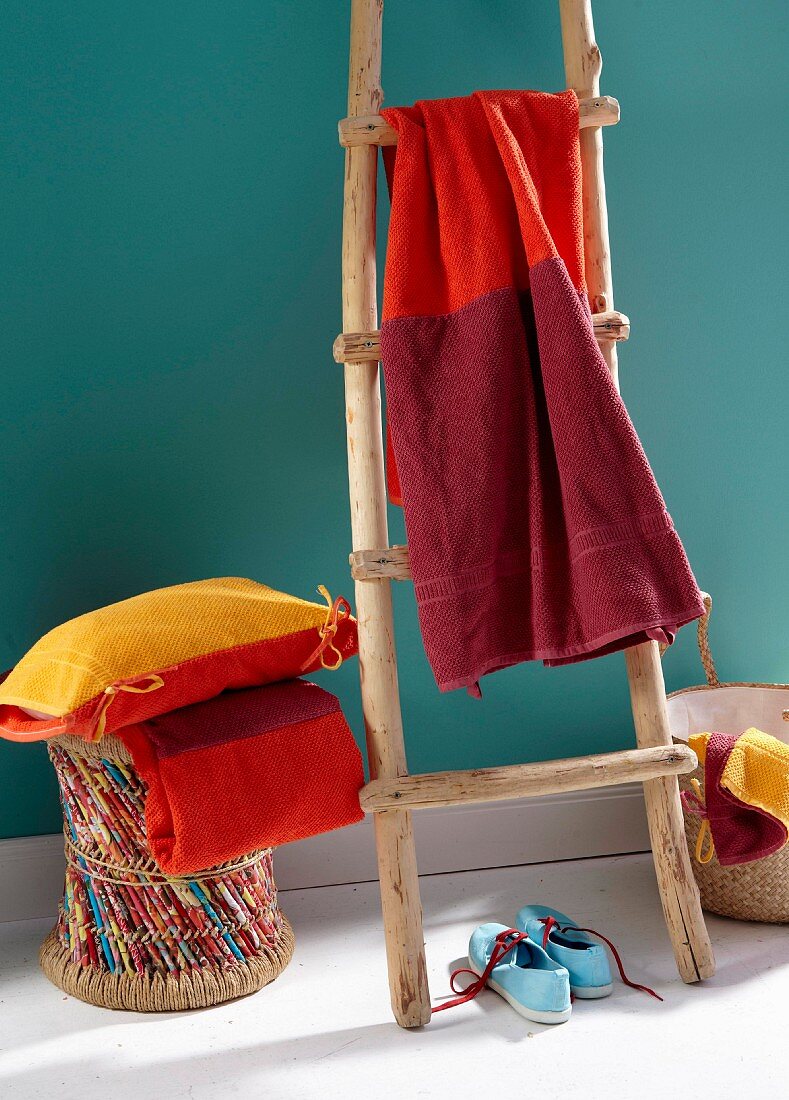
[(392, 793)]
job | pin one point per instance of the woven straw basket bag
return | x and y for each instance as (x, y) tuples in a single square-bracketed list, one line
[(749, 891), (128, 935)]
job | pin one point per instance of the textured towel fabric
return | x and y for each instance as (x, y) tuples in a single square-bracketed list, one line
[(746, 793), (535, 527), (162, 650), (247, 769)]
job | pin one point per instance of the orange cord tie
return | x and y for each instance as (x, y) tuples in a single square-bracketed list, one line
[(693, 801), (338, 611), (113, 690)]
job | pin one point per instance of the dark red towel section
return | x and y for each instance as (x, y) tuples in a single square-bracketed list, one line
[(535, 527), (741, 833), (247, 769)]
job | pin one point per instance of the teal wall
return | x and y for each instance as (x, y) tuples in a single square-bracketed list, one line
[(171, 193)]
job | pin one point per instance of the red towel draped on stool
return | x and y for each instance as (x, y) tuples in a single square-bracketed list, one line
[(245, 770), (535, 527)]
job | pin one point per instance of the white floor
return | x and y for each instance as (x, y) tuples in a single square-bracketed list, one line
[(323, 1029)]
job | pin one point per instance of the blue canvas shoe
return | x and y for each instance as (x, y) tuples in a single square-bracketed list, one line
[(585, 960), (519, 970)]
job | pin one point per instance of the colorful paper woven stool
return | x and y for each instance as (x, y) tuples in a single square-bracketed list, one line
[(129, 936)]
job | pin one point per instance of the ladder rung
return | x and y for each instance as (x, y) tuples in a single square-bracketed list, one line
[(413, 792), (365, 347), (370, 565), (603, 110), (611, 325)]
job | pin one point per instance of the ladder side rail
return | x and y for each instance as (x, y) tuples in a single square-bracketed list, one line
[(400, 899), (678, 891)]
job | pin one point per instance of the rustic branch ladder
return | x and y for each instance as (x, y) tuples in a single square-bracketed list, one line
[(392, 793)]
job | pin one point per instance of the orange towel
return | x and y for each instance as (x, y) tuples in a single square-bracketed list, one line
[(247, 769)]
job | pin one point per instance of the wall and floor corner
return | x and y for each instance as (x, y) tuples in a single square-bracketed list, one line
[(172, 184)]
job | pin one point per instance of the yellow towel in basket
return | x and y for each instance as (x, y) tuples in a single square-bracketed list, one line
[(756, 772)]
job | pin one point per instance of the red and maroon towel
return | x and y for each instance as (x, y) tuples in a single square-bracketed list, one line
[(247, 769), (741, 832), (535, 527)]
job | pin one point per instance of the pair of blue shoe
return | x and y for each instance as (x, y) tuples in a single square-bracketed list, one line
[(538, 964)]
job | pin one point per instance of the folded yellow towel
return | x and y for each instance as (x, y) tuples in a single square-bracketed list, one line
[(756, 772)]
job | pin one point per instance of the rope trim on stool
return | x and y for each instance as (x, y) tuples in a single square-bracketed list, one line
[(165, 993)]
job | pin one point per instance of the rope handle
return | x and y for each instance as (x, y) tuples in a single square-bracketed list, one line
[(702, 633), (702, 636)]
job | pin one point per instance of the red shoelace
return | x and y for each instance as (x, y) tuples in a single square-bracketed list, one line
[(550, 923), (505, 942), (509, 939)]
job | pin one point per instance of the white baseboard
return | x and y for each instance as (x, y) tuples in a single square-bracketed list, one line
[(31, 876), (600, 822)]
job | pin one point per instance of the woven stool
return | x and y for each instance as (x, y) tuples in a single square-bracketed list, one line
[(128, 936)]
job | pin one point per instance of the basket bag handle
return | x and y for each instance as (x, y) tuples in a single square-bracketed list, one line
[(704, 648), (704, 643), (702, 633)]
